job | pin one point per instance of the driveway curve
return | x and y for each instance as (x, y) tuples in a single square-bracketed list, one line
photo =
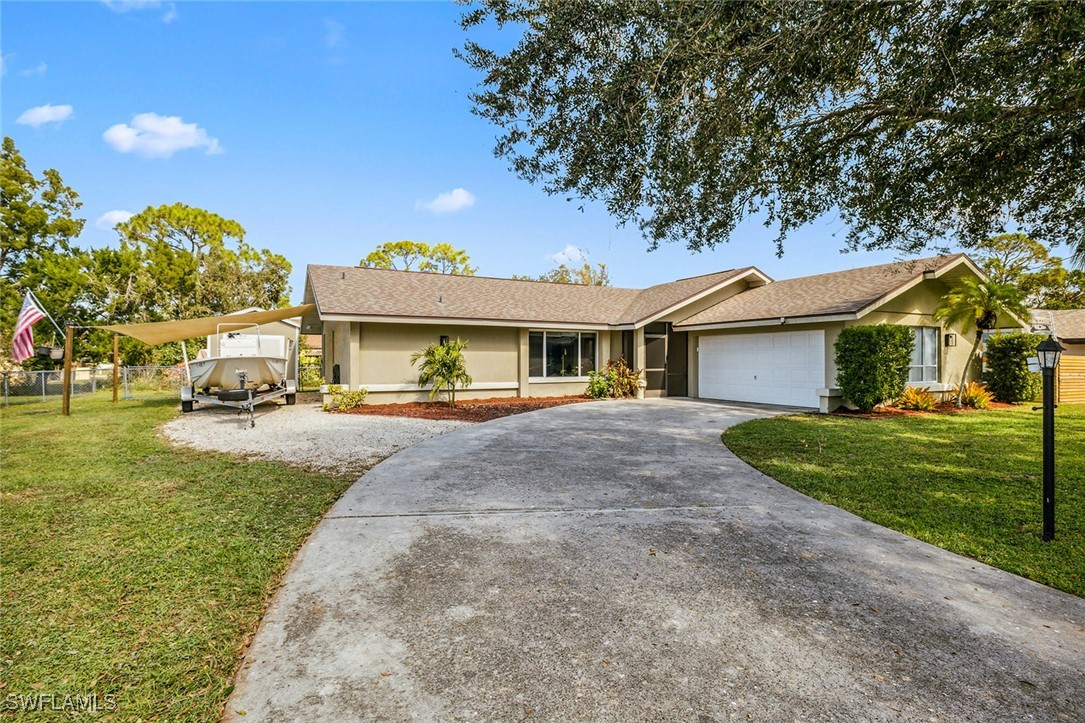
[(615, 562)]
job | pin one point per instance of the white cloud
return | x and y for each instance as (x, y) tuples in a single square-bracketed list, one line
[(43, 114), (157, 136), (455, 200), (334, 34), (108, 220), (124, 6), (39, 70), (569, 254)]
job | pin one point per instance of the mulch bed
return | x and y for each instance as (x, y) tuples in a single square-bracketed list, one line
[(943, 408), (467, 410)]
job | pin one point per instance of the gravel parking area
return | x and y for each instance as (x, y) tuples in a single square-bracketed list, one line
[(304, 436)]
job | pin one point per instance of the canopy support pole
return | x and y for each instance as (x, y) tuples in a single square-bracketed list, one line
[(66, 393), (116, 365), (184, 355)]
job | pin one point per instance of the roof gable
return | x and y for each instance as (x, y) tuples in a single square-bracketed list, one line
[(851, 292)]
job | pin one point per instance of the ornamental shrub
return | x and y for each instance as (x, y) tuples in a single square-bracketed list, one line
[(1008, 377), (344, 398), (599, 386), (616, 380), (872, 363)]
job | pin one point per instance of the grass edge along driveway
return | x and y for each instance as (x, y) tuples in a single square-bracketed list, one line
[(133, 569), (969, 483)]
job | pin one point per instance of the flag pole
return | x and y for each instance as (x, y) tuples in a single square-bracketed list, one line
[(44, 311)]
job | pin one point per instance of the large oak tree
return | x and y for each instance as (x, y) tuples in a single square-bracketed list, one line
[(918, 123)]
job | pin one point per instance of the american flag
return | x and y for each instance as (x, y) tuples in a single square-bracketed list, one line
[(22, 344)]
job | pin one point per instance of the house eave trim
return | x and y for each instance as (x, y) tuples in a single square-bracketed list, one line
[(773, 322), (453, 321)]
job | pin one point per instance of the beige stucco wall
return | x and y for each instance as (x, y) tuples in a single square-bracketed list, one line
[(916, 308), (384, 352), (377, 356)]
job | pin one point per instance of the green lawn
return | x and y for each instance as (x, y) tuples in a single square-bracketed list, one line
[(133, 569), (969, 482)]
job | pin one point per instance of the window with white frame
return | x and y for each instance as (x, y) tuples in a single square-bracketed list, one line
[(924, 364), (558, 354)]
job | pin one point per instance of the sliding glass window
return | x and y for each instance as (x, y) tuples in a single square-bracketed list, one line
[(561, 354)]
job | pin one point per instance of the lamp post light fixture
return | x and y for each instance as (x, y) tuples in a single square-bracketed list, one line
[(1047, 353)]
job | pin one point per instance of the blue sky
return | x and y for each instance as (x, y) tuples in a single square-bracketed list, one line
[(325, 129)]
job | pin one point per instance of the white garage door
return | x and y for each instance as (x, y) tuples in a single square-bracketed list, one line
[(783, 367)]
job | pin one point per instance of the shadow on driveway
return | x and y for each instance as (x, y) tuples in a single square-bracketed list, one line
[(615, 561)]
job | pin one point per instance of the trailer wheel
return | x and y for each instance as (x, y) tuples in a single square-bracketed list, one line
[(290, 399), (186, 406)]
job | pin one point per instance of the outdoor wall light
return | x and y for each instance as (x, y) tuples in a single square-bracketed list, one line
[(951, 340), (1047, 353)]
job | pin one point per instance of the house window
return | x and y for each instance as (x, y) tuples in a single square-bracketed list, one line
[(557, 354), (444, 340), (924, 364)]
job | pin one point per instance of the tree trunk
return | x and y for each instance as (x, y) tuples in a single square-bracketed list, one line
[(971, 359)]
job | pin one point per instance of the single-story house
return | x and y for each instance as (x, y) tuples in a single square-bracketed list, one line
[(733, 335)]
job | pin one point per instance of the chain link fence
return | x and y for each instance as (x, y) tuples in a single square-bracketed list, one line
[(25, 387), (309, 378)]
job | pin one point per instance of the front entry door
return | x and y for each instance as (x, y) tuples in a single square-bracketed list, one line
[(678, 364), (655, 359)]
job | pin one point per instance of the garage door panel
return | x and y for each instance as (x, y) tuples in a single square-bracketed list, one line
[(770, 368)]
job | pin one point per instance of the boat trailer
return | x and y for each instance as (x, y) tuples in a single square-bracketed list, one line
[(244, 399)]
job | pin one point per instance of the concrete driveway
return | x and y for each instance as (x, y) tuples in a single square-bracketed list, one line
[(615, 562)]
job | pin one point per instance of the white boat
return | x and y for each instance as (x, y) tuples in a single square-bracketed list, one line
[(250, 369), (224, 372), (262, 359)]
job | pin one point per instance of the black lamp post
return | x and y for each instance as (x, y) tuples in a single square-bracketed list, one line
[(1048, 353)]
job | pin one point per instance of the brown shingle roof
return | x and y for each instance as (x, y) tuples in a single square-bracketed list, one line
[(1069, 323), (840, 292), (655, 299), (354, 291)]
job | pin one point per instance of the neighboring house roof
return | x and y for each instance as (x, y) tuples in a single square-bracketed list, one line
[(1069, 324), (841, 293), (352, 291)]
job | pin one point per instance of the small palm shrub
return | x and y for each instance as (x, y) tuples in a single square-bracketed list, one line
[(918, 399), (444, 366), (974, 395), (616, 380), (872, 363)]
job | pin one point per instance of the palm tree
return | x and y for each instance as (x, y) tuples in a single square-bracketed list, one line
[(978, 304), (444, 365)]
